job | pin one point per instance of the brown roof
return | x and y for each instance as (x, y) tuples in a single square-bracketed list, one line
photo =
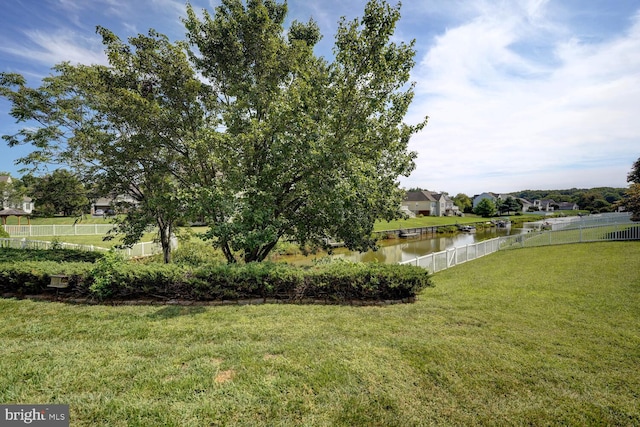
[(419, 196), (11, 212)]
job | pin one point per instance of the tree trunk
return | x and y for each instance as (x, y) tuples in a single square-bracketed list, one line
[(165, 241)]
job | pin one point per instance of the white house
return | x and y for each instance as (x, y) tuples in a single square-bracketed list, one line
[(26, 204), (429, 203)]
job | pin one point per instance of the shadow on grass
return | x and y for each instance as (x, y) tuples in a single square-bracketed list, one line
[(172, 311)]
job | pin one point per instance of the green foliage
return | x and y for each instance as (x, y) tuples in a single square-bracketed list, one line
[(12, 190), (32, 277), (56, 255), (195, 253), (463, 202), (110, 277), (600, 199), (510, 205), (634, 175), (59, 192), (103, 274), (3, 233), (311, 149), (485, 208), (277, 142), (631, 201)]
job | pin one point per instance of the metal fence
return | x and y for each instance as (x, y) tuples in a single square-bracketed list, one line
[(599, 233), (137, 250), (57, 230)]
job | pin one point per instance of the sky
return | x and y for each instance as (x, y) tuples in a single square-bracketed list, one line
[(520, 94)]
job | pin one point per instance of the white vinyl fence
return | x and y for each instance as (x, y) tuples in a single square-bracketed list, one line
[(600, 233), (137, 250), (57, 230)]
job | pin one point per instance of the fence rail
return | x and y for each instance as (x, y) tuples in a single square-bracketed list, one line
[(57, 230), (438, 261), (137, 250)]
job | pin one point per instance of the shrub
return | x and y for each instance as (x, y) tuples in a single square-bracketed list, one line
[(103, 274), (196, 253), (111, 277), (32, 277), (57, 255), (3, 233)]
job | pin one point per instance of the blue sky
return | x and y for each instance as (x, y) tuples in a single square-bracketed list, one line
[(521, 94)]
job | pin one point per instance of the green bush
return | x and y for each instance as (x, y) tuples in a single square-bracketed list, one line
[(3, 233), (57, 255), (33, 277), (196, 253), (111, 277)]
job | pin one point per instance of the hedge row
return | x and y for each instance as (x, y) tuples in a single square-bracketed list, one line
[(110, 279), (57, 255)]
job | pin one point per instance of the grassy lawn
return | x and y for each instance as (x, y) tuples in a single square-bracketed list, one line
[(540, 336)]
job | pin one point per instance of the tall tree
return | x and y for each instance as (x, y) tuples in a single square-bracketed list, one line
[(509, 205), (129, 127), (12, 190), (312, 150), (634, 175), (59, 192), (464, 202), (485, 208), (631, 200)]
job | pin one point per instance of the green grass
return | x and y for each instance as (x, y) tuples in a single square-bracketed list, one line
[(426, 221), (540, 336), (587, 234)]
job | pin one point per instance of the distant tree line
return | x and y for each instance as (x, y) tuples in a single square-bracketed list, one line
[(600, 199)]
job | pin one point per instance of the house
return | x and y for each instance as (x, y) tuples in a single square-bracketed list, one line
[(525, 204), (429, 203), (567, 206), (545, 205), (494, 197), (24, 203), (102, 205), (498, 199)]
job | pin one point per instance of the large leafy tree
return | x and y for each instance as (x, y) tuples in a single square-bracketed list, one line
[(464, 202), (485, 208), (312, 149), (128, 127), (277, 142), (631, 200), (509, 205), (12, 190), (59, 192)]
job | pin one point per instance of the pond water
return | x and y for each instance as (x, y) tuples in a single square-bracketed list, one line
[(392, 251)]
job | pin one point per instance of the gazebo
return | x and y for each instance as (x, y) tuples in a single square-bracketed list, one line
[(7, 212)]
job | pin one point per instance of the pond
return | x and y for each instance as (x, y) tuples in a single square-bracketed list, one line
[(392, 251)]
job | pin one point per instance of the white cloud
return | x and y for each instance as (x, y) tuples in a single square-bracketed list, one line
[(63, 45), (504, 119)]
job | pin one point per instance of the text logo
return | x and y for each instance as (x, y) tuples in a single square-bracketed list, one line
[(34, 415)]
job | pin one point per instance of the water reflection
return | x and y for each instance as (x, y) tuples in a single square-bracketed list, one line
[(398, 250)]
